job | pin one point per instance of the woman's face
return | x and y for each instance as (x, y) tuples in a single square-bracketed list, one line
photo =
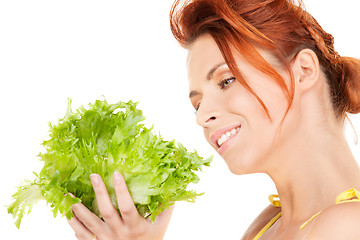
[(234, 122)]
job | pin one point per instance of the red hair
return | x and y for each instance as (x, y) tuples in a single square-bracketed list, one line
[(281, 26)]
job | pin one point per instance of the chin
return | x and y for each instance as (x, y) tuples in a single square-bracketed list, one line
[(239, 169), (244, 163)]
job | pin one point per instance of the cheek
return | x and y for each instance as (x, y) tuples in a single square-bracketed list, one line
[(206, 134), (274, 99), (241, 102), (258, 131)]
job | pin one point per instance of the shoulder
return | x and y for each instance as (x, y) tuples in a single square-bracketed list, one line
[(340, 221), (260, 221)]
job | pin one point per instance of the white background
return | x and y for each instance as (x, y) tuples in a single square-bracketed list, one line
[(52, 50)]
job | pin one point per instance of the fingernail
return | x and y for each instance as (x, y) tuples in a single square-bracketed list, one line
[(94, 179), (117, 178)]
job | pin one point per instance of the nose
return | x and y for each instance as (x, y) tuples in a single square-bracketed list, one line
[(207, 113)]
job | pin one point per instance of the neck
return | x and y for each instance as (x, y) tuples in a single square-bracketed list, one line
[(313, 172)]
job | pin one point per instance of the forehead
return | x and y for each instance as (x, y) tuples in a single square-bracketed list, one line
[(203, 55), (204, 46)]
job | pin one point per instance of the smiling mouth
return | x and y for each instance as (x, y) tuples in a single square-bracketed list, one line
[(226, 136)]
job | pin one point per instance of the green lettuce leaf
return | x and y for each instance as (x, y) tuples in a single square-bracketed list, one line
[(103, 139)]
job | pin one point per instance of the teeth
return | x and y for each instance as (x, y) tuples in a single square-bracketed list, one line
[(227, 135)]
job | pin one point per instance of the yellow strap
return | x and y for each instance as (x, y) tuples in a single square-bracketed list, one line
[(348, 195), (341, 198), (267, 226), (302, 226), (275, 202)]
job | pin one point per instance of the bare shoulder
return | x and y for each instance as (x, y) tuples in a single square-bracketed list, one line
[(260, 221), (340, 221)]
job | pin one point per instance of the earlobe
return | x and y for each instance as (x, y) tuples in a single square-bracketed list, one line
[(306, 69)]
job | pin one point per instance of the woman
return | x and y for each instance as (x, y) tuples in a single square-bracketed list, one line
[(271, 94)]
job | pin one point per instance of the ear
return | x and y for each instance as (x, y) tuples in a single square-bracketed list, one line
[(306, 69)]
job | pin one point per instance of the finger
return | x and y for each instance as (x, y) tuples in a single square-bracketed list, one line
[(106, 208), (126, 205), (163, 219), (92, 222), (87, 218), (165, 216), (81, 232)]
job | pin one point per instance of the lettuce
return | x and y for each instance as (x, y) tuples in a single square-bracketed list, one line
[(103, 139)]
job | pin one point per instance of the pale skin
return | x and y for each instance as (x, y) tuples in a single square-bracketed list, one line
[(130, 226), (309, 161)]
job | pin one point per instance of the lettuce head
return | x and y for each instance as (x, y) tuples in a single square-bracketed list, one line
[(102, 139)]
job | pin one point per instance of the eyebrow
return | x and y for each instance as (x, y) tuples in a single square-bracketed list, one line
[(213, 70), (209, 75)]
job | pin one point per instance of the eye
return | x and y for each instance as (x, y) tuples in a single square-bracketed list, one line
[(225, 83)]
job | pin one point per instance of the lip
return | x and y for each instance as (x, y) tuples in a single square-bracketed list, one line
[(215, 136)]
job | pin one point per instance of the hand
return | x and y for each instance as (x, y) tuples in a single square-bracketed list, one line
[(129, 226)]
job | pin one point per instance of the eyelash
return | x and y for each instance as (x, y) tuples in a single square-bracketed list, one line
[(226, 81), (222, 86)]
